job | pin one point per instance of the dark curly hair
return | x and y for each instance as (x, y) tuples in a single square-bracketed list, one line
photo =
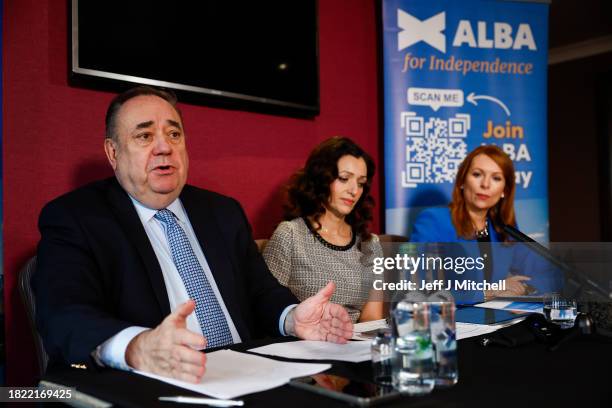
[(309, 188)]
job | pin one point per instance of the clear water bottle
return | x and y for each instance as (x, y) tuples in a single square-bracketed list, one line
[(382, 356), (444, 338), (413, 364)]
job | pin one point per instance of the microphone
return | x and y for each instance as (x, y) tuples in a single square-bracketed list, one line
[(575, 278), (518, 235), (535, 245)]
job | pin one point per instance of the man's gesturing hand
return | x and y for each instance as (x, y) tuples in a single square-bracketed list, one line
[(170, 349), (317, 318)]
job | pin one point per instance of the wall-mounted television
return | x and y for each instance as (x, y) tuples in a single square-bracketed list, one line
[(257, 55)]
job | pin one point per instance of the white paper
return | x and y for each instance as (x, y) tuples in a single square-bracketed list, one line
[(511, 306), (494, 304), (353, 351), (466, 330), (365, 336), (367, 330), (230, 374), (369, 326)]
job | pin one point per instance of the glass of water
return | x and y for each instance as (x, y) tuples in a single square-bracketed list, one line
[(413, 358), (559, 310)]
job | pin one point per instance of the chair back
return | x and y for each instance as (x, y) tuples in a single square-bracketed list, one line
[(386, 238), (27, 297), (261, 244)]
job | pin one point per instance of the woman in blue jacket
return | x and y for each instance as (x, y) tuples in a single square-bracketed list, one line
[(482, 203)]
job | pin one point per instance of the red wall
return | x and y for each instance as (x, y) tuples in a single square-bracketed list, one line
[(53, 134)]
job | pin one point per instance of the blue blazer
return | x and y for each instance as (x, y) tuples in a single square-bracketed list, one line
[(435, 225)]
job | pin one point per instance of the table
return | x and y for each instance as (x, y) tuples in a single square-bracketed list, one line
[(577, 375)]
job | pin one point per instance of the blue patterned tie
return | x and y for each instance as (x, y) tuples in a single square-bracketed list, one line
[(209, 313)]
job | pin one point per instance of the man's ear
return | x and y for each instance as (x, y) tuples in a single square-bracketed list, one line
[(110, 148)]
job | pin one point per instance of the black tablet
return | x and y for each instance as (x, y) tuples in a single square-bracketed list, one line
[(361, 393)]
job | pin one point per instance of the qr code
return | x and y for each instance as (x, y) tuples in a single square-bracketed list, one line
[(434, 148)]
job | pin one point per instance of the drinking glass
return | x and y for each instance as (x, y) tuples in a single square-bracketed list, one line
[(559, 310)]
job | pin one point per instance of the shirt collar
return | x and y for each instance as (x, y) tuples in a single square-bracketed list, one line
[(145, 213)]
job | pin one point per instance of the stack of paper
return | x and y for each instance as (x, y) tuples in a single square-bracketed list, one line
[(230, 374), (367, 330), (533, 307), (353, 351), (466, 330)]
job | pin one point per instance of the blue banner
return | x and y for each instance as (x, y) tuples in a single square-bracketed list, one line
[(458, 74)]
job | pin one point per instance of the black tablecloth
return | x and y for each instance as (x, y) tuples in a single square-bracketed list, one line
[(577, 375)]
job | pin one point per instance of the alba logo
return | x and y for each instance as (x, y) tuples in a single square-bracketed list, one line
[(414, 30), (430, 32)]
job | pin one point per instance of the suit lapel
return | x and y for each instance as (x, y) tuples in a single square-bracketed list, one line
[(133, 228), (209, 235)]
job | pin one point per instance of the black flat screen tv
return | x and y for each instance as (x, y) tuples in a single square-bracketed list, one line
[(257, 55)]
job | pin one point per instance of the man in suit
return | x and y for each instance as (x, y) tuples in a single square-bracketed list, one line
[(142, 271)]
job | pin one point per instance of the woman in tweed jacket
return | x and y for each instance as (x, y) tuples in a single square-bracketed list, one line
[(325, 233)]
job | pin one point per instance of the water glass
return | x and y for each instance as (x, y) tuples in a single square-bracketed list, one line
[(382, 357), (413, 362), (559, 310)]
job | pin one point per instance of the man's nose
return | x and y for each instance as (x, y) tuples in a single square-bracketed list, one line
[(161, 145)]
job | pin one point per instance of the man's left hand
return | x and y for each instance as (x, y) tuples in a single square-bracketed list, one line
[(317, 318)]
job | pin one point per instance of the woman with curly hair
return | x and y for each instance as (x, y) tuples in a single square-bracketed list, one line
[(325, 234)]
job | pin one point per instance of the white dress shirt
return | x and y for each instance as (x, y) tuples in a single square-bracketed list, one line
[(112, 351)]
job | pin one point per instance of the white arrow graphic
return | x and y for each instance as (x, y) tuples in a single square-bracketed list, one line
[(472, 99)]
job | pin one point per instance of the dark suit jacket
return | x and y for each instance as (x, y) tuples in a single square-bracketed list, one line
[(97, 273)]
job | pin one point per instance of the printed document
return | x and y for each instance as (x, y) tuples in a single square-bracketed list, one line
[(353, 351), (230, 374), (533, 307)]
